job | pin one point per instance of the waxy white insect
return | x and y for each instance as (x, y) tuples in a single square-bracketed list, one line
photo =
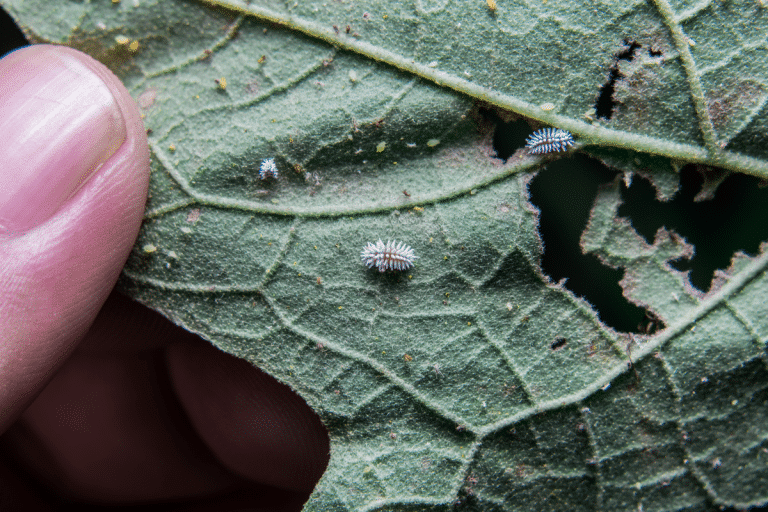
[(389, 256), (548, 140), (268, 168)]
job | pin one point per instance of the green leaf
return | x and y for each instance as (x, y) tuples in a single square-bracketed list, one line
[(471, 379)]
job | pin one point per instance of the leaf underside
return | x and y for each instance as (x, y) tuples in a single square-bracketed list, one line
[(470, 380)]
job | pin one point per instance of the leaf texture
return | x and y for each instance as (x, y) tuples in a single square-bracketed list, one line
[(470, 381)]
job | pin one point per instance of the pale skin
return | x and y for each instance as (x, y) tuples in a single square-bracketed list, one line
[(101, 400)]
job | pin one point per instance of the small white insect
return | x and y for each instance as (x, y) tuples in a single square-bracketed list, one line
[(268, 168), (548, 140), (389, 256)]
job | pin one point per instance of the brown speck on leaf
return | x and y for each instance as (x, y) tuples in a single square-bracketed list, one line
[(728, 103), (366, 16), (262, 59), (319, 280), (408, 358), (336, 29), (348, 29), (508, 390), (406, 194), (193, 215)]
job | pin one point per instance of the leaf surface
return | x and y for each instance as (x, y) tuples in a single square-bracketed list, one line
[(472, 379)]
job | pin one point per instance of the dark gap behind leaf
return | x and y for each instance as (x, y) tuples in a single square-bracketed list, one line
[(604, 103), (735, 219), (509, 136), (564, 192), (11, 36)]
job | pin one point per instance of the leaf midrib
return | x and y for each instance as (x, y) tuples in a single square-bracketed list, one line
[(587, 132)]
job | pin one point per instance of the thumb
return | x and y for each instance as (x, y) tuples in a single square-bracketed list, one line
[(74, 170)]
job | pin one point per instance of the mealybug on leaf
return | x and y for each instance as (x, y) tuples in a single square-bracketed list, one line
[(389, 256), (268, 168), (548, 140)]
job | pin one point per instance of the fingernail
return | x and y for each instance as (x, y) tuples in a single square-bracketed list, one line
[(58, 124)]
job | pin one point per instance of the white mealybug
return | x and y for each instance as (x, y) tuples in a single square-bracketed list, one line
[(548, 140), (268, 168), (389, 256)]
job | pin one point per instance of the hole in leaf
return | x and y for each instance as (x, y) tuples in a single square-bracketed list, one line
[(605, 104), (559, 343), (12, 36), (508, 136), (564, 193), (732, 220)]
